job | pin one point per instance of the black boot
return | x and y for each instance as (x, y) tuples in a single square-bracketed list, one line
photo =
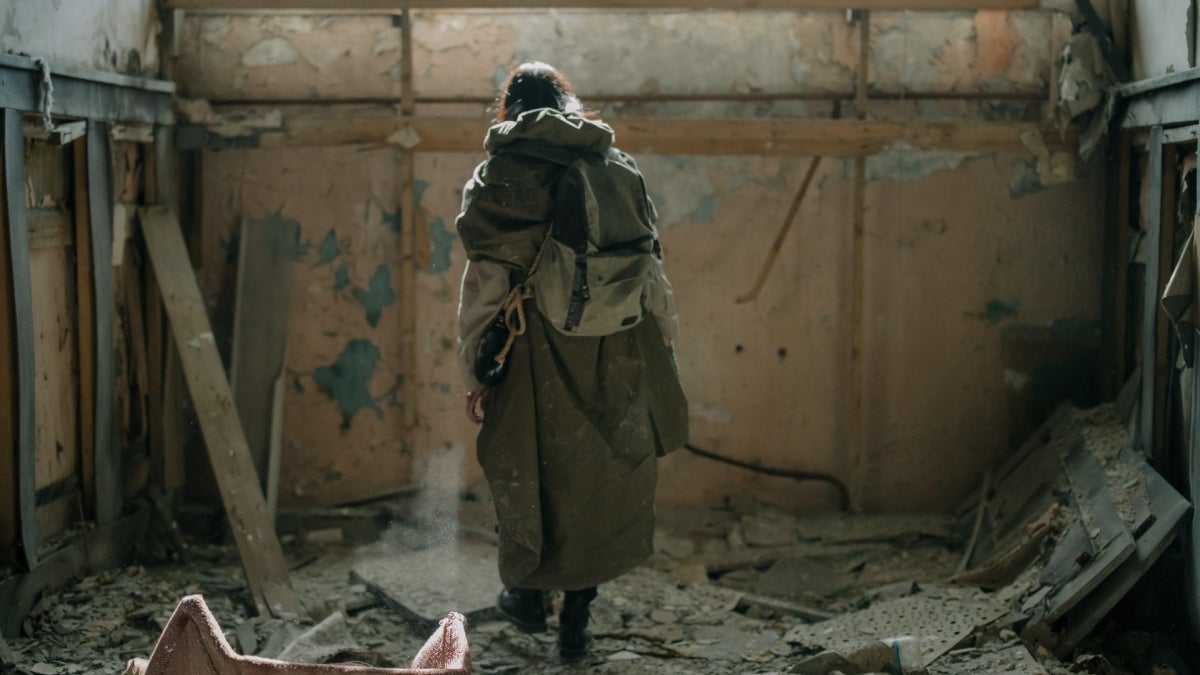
[(573, 636), (524, 607)]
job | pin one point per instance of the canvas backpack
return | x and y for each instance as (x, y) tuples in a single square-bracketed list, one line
[(602, 256)]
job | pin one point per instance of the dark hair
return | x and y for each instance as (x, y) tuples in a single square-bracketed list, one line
[(535, 85)]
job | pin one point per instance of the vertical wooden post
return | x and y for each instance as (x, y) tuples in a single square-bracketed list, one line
[(1119, 312), (1163, 363), (408, 233), (1151, 220), (100, 210), (19, 308), (857, 432)]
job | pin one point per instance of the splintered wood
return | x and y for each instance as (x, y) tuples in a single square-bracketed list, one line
[(229, 455)]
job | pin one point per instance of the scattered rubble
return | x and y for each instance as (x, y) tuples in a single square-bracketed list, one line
[(1010, 582)]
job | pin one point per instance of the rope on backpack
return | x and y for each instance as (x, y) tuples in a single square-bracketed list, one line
[(513, 306)]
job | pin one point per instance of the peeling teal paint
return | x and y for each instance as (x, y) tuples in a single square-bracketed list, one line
[(341, 278), (329, 249), (996, 310), (345, 382), (392, 220), (441, 244), (419, 188), (392, 395), (299, 246), (377, 295)]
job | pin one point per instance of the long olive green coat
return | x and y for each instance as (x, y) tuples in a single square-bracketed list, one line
[(571, 436)]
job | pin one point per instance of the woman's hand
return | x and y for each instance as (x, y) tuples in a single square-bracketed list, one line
[(477, 403)]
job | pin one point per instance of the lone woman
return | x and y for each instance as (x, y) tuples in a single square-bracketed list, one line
[(565, 299)]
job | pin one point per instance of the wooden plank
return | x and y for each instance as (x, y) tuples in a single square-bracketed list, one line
[(1151, 221), (166, 397), (408, 237), (21, 299), (1111, 540), (85, 322), (260, 325), (52, 278), (50, 228), (1164, 366), (396, 5), (10, 506), (1119, 312), (1169, 509), (229, 456), (356, 125), (100, 212), (861, 460)]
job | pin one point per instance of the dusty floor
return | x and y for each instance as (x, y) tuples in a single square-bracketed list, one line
[(670, 616)]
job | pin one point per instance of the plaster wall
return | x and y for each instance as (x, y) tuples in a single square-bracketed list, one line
[(960, 249), (1162, 36), (112, 35)]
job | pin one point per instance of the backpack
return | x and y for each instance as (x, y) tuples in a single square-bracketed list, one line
[(602, 255)]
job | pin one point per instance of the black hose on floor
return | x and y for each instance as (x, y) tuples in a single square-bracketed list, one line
[(794, 474)]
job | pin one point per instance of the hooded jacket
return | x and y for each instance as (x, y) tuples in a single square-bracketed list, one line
[(570, 437)]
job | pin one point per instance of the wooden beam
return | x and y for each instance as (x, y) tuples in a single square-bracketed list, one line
[(100, 216), (1151, 222), (857, 438), (408, 235), (1164, 367), (404, 5), (762, 137), (21, 302), (228, 453), (85, 332)]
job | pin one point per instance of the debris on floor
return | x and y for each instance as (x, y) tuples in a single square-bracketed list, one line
[(1010, 582)]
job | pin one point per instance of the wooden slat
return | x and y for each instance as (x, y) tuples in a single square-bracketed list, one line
[(1164, 366), (100, 214), (260, 325), (397, 5), (1151, 222), (10, 505), (354, 125), (229, 456), (21, 300), (408, 238), (1123, 234), (86, 326)]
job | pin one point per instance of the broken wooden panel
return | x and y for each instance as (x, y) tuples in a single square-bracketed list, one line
[(940, 619), (1169, 509), (343, 432), (254, 532)]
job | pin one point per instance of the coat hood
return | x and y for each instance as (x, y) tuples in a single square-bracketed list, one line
[(570, 131)]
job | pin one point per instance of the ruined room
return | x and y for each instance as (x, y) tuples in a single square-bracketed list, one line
[(933, 264)]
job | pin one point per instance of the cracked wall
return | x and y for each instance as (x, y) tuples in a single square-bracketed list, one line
[(961, 249), (111, 35)]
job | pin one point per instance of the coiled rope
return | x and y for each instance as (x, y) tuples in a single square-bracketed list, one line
[(513, 306)]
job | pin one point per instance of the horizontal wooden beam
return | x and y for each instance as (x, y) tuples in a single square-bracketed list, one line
[(776, 137), (400, 5)]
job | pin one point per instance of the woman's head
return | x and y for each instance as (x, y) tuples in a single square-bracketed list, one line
[(534, 85)]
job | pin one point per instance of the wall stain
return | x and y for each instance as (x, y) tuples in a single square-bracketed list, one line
[(996, 310), (392, 220), (329, 249), (345, 381), (441, 244), (341, 278), (704, 211), (377, 295), (231, 246)]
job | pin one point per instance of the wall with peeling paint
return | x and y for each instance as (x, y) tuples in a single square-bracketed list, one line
[(1162, 36), (965, 253), (112, 35)]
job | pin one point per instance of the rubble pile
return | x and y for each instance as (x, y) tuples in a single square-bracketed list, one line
[(1011, 582)]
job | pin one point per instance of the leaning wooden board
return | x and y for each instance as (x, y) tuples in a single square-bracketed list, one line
[(228, 453)]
